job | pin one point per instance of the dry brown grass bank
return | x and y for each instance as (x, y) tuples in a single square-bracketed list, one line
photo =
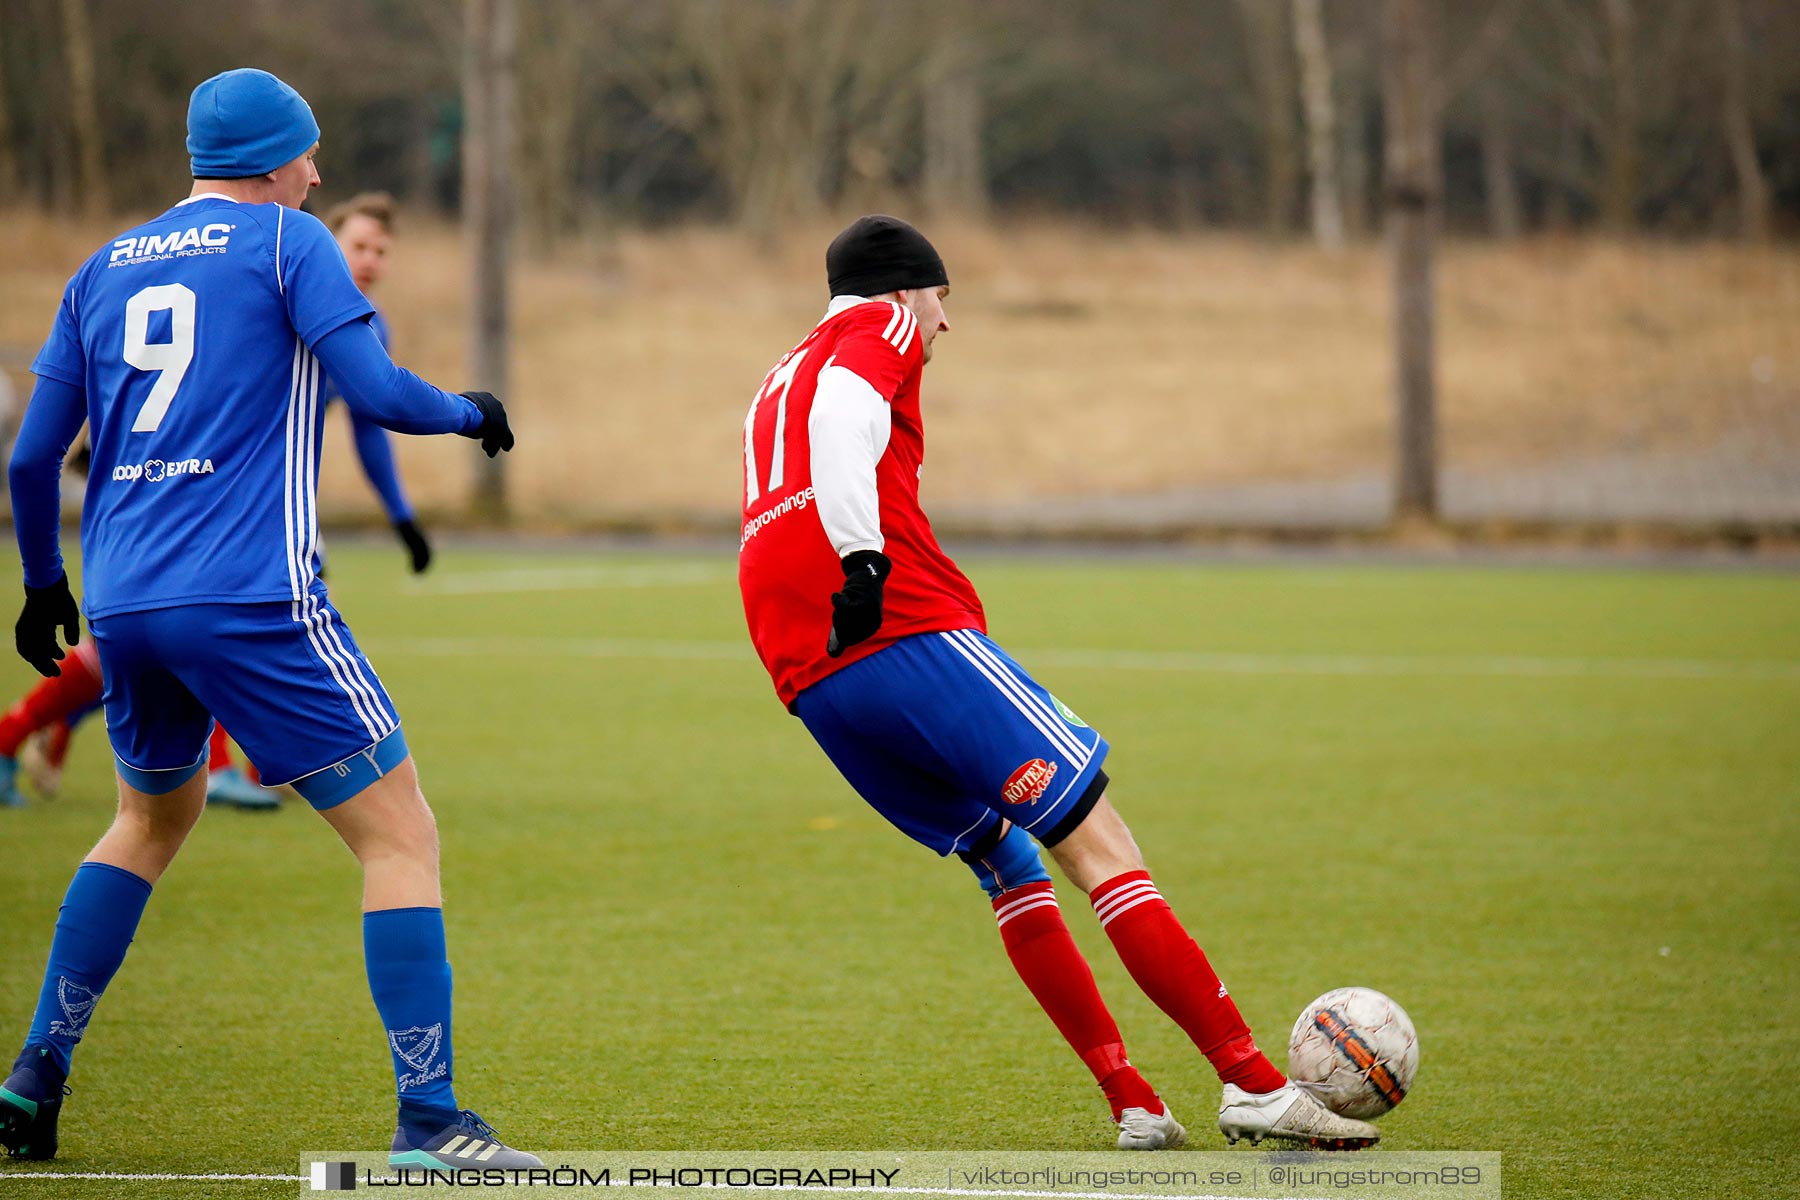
[(1079, 361)]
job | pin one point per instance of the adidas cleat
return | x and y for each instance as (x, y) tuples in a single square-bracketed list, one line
[(1290, 1115), (467, 1142), (232, 787), (1139, 1129), (30, 1101)]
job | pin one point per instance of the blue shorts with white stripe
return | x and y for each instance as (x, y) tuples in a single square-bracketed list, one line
[(286, 680), (947, 737)]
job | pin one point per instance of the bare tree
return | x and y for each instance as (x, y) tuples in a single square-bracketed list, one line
[(955, 169), (490, 64), (1590, 66), (1320, 105), (1411, 105), (1499, 177), (554, 50), (1353, 50), (84, 107), (1272, 76), (1740, 135), (1618, 201), (770, 93)]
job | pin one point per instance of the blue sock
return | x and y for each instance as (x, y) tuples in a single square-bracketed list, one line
[(409, 976), (99, 916)]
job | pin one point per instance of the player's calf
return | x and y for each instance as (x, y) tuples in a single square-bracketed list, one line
[(1164, 961), (1006, 863)]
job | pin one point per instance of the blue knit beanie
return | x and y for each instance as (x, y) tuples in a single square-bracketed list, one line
[(246, 122)]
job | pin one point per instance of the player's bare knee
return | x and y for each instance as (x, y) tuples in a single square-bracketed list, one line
[(163, 818), (1098, 849)]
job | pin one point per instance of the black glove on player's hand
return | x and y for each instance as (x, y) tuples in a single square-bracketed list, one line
[(495, 434), (413, 538), (35, 634), (856, 611)]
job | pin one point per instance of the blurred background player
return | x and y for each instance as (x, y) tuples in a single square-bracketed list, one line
[(193, 346), (35, 732), (878, 643)]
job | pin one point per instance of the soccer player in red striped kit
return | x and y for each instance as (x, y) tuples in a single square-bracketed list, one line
[(878, 643)]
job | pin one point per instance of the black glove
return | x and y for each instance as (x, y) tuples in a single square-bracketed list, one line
[(856, 611), (495, 434), (35, 634), (413, 538)]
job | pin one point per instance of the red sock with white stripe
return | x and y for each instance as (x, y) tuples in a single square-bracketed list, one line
[(1174, 973), (1050, 963)]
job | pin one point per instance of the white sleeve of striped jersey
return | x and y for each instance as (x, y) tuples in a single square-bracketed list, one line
[(848, 431)]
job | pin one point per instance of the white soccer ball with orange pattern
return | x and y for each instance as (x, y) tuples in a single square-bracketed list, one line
[(1356, 1051)]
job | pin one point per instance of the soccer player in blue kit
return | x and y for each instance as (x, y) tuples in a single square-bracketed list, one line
[(194, 346)]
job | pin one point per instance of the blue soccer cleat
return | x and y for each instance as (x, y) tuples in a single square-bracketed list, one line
[(30, 1101), (10, 796), (468, 1141), (232, 787)]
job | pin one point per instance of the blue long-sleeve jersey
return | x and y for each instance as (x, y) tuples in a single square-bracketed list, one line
[(195, 346)]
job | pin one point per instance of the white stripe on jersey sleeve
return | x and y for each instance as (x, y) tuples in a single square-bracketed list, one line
[(848, 432), (912, 327)]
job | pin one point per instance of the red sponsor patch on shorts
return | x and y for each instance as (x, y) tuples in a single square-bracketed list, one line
[(1028, 784)]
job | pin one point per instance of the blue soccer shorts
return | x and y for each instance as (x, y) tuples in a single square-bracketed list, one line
[(286, 680), (949, 739)]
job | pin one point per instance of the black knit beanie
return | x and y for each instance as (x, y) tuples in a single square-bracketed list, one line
[(879, 254)]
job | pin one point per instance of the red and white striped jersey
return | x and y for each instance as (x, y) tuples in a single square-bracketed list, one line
[(794, 490)]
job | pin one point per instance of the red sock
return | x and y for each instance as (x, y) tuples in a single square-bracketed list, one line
[(1047, 959), (218, 750), (1174, 973), (47, 703)]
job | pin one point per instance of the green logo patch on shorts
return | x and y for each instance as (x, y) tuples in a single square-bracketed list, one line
[(1068, 714)]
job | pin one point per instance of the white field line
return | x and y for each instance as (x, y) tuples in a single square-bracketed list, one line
[(552, 579), (153, 1177), (1194, 662), (120, 1176)]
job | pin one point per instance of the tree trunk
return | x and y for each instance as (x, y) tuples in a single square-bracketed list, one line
[(1740, 134), (549, 98), (1320, 105), (1619, 195), (1271, 70), (1500, 181), (955, 170), (490, 63), (84, 108), (1408, 73)]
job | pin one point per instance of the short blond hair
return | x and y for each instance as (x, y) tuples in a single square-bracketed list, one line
[(377, 206)]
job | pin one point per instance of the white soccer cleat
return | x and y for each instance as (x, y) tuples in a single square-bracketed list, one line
[(1289, 1115), (1140, 1129)]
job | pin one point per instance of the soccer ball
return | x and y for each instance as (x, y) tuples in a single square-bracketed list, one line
[(1355, 1051)]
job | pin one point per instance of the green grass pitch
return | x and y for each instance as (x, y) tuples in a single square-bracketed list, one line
[(1554, 813)]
